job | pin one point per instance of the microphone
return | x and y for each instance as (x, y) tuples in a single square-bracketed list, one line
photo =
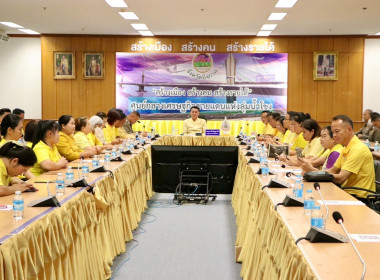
[(317, 187), (339, 220), (47, 187)]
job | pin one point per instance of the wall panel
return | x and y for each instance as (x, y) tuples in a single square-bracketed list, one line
[(322, 99)]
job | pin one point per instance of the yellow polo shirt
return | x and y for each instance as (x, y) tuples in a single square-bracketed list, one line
[(44, 152), (259, 129), (81, 140), (357, 159), (109, 133), (2, 142), (67, 147), (313, 148), (299, 142), (289, 137), (278, 134), (29, 144), (192, 127), (268, 129), (5, 179), (94, 141)]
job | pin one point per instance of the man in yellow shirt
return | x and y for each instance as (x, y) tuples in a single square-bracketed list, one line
[(194, 124), (354, 167), (267, 127)]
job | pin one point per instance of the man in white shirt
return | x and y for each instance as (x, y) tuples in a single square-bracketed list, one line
[(194, 124)]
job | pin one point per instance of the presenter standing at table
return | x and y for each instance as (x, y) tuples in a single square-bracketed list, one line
[(194, 124)]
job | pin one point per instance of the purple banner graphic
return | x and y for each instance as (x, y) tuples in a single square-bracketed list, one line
[(165, 86)]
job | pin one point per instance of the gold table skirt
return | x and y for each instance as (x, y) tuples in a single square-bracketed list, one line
[(268, 250), (81, 239)]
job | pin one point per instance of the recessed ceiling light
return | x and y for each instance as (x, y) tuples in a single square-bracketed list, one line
[(128, 15), (277, 16), (29, 31), (139, 26), (117, 3), (268, 26), (285, 3), (146, 33), (378, 33), (264, 33), (11, 24)]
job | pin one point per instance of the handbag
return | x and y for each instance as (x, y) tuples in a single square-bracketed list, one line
[(318, 176)]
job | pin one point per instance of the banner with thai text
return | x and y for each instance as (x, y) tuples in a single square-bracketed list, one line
[(167, 85)]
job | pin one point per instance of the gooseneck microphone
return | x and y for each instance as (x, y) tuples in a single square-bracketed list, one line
[(317, 187), (339, 220)]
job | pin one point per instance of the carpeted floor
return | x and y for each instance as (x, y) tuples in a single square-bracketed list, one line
[(187, 242)]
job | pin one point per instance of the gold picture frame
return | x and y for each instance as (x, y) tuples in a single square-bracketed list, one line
[(93, 65), (325, 66), (64, 65)]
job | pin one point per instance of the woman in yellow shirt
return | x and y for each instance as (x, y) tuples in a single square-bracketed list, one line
[(296, 123), (96, 124), (44, 146), (66, 144), (82, 129), (30, 128), (311, 132), (289, 135), (328, 158), (11, 128), (15, 160), (110, 130)]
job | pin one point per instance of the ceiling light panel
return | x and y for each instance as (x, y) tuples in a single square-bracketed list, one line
[(11, 24), (277, 16), (268, 26), (139, 26), (146, 33), (29, 31), (117, 3), (128, 15), (264, 33), (285, 3)]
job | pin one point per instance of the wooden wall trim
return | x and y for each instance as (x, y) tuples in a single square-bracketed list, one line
[(322, 99)]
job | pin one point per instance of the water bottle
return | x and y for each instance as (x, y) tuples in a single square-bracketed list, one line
[(113, 152), (367, 143), (107, 159), (298, 187), (317, 217), (248, 141), (119, 151), (85, 169), (95, 161), (142, 142), (59, 185), (125, 145), (69, 175), (241, 131), (18, 206), (308, 203), (376, 147), (131, 145)]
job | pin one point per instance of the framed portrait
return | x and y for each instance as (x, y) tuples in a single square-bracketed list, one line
[(64, 65), (325, 66), (93, 66)]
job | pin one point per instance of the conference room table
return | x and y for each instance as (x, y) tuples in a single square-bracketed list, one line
[(80, 239), (265, 242)]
